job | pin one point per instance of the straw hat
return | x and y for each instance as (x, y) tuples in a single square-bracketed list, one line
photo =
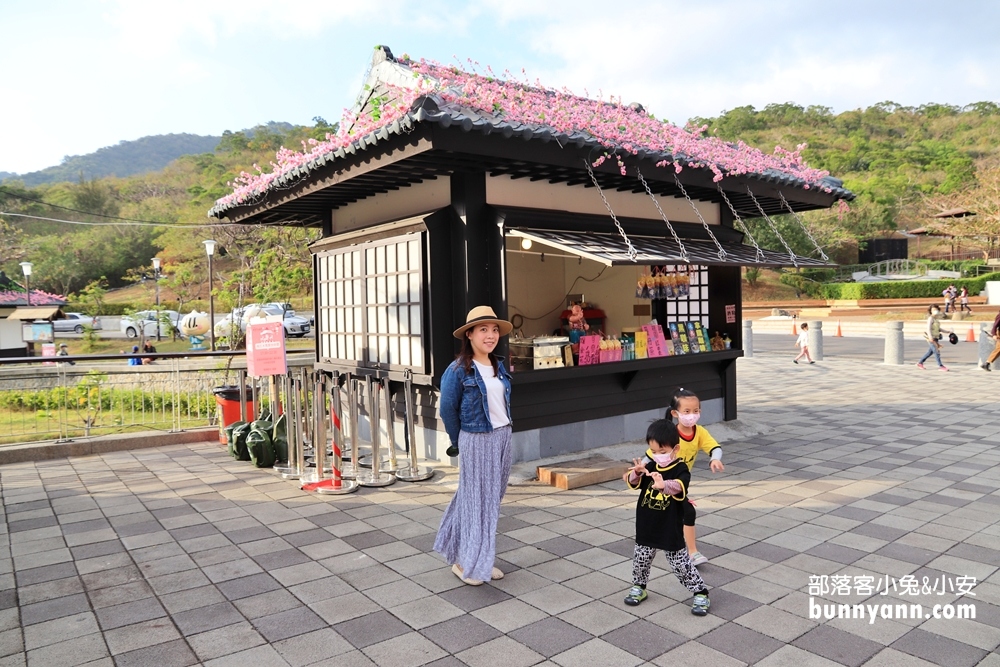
[(479, 315)]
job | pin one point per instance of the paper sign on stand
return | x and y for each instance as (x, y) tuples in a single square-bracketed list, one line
[(641, 345), (656, 345), (266, 347), (590, 350)]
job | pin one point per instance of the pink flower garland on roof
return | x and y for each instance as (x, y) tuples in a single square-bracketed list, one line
[(618, 127)]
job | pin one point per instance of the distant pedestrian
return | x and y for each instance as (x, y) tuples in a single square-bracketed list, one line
[(802, 342), (995, 335), (949, 294), (133, 360), (932, 334), (148, 348), (963, 301), (64, 352)]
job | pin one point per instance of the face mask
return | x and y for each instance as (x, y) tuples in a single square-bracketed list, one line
[(689, 420), (935, 313), (663, 459)]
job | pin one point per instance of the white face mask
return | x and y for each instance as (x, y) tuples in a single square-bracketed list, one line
[(663, 459), (689, 420)]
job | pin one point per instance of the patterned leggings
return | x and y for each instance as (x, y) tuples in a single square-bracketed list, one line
[(680, 563)]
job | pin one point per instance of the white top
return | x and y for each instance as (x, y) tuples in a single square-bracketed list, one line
[(803, 338), (496, 395)]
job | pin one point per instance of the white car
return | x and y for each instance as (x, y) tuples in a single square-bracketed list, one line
[(294, 325), (146, 321)]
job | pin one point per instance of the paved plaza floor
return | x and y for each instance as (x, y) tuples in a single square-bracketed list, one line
[(180, 555)]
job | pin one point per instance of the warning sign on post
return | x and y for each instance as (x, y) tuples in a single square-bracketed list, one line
[(266, 348)]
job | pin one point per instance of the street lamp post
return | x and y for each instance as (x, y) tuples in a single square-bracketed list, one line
[(156, 278), (26, 267), (210, 250)]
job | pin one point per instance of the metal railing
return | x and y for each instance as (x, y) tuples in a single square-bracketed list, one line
[(59, 401)]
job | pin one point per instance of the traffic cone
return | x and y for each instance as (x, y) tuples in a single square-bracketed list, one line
[(971, 336), (794, 332), (839, 334)]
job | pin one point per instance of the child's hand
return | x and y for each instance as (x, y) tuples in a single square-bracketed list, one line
[(638, 469), (657, 480), (716, 465)]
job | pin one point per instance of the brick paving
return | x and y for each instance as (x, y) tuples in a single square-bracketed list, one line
[(180, 555)]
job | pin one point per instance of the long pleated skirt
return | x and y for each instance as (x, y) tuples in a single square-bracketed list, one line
[(468, 532)]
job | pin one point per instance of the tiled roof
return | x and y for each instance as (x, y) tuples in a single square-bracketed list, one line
[(433, 109)]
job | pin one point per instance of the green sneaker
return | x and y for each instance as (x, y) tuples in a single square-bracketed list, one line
[(699, 606), (636, 594)]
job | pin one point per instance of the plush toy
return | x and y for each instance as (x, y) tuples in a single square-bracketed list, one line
[(717, 342), (194, 325), (576, 319)]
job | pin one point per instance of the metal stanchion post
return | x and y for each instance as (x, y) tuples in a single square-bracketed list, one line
[(412, 472), (319, 435), (349, 470), (305, 415), (291, 470), (390, 427), (338, 484), (375, 476), (241, 378)]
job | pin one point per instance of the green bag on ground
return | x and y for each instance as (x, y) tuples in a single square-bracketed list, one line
[(230, 440), (265, 415), (279, 438), (260, 448), (264, 425), (239, 451)]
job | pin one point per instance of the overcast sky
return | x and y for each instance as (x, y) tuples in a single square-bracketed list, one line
[(82, 74)]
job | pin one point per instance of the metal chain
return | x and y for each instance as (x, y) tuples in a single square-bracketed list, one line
[(759, 256), (632, 253), (722, 252), (774, 229), (802, 223), (684, 253)]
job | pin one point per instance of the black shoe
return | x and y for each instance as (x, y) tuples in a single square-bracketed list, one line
[(986, 367), (452, 451), (795, 361)]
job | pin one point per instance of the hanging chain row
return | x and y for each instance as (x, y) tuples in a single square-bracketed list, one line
[(673, 232), (759, 256), (632, 253), (722, 252), (774, 228), (802, 224)]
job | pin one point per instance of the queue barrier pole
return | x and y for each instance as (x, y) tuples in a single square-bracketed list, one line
[(412, 472), (295, 465), (350, 470), (318, 427), (390, 426), (336, 485), (374, 476)]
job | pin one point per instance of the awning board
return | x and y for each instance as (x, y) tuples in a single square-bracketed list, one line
[(34, 313), (610, 249)]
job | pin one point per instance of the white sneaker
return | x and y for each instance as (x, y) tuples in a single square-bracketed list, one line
[(698, 558)]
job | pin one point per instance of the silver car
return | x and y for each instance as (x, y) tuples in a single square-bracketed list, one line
[(76, 322), (147, 321)]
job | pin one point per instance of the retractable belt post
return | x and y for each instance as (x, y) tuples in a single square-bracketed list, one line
[(374, 476), (411, 472), (337, 484)]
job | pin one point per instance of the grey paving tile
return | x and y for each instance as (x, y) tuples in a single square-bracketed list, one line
[(471, 598), (837, 645), (70, 653), (500, 652), (192, 598), (937, 649), (371, 629), (58, 630), (130, 612), (289, 623), (225, 641), (201, 619), (140, 635), (168, 654), (54, 608), (550, 636), (739, 642), (457, 634), (316, 647), (234, 589), (410, 650), (39, 575), (48, 590)]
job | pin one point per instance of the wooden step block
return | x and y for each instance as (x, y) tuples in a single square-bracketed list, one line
[(581, 472)]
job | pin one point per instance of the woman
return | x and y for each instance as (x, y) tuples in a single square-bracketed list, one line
[(475, 409), (933, 337)]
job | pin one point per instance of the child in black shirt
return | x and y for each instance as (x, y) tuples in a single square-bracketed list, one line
[(662, 480)]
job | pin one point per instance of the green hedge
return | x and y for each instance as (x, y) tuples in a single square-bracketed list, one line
[(903, 289)]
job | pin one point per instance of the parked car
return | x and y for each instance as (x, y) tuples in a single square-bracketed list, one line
[(295, 326), (146, 321), (76, 322)]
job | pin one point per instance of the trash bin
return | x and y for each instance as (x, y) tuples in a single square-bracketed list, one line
[(228, 400)]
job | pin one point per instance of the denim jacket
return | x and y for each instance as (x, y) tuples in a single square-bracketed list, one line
[(463, 402)]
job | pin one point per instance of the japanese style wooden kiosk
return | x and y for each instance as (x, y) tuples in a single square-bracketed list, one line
[(442, 200)]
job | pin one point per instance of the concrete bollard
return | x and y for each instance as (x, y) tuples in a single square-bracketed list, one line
[(986, 342), (894, 343), (747, 338), (816, 340)]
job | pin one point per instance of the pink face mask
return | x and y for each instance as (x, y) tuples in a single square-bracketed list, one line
[(689, 420), (663, 459)]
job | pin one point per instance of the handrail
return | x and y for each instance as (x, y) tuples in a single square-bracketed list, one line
[(119, 356)]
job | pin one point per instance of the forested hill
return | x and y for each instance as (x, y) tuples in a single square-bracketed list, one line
[(126, 158), (898, 159)]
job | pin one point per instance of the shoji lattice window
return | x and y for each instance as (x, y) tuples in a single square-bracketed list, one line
[(694, 306), (371, 303)]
